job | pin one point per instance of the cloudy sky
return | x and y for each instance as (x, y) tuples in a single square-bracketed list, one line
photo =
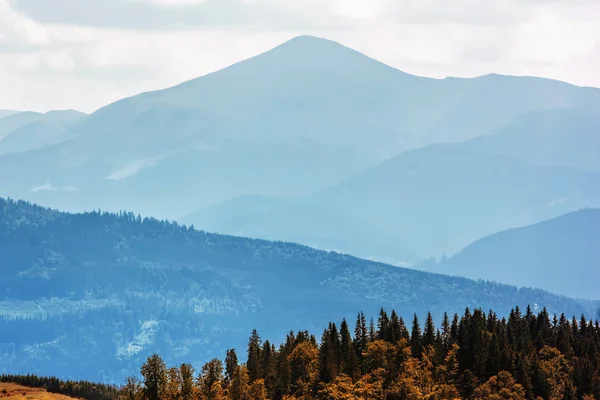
[(83, 54)]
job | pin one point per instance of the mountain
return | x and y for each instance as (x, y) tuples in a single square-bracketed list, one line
[(567, 137), (6, 113), (560, 255), (28, 131), (91, 295), (305, 115), (423, 202), (16, 120)]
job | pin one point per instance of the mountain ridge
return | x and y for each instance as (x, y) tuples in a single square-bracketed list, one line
[(538, 253)]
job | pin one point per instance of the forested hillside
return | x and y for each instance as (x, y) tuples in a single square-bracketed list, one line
[(91, 295)]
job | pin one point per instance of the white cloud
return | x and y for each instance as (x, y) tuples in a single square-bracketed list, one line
[(46, 187), (18, 29)]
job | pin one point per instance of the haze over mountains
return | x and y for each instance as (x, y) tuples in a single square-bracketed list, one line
[(6, 113), (305, 115), (92, 295), (432, 200), (26, 131), (560, 255), (316, 143)]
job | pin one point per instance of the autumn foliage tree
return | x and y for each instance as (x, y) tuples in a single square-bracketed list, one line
[(478, 356)]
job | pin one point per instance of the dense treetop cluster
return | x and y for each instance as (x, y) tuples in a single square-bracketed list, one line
[(476, 356)]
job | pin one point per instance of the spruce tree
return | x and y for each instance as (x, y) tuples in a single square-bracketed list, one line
[(372, 331), (347, 356), (231, 363), (415, 338), (428, 332), (254, 357), (383, 326), (493, 360), (395, 328)]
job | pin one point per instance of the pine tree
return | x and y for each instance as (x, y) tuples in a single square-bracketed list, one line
[(383, 326), (347, 356), (395, 328), (254, 357), (415, 338), (493, 360), (428, 332), (231, 363), (454, 329), (446, 332), (372, 331), (360, 337), (328, 361)]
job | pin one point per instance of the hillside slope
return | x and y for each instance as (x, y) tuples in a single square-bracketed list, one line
[(561, 255), (91, 295)]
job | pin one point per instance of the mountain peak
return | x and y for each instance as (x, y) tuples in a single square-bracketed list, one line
[(309, 53), (309, 40)]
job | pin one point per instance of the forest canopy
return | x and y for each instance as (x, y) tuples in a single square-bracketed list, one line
[(475, 356)]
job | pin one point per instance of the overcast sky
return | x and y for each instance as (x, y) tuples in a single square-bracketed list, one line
[(83, 54)]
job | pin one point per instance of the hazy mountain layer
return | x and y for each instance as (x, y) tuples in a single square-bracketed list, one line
[(28, 131), (565, 137), (419, 204), (294, 120), (560, 255), (6, 113)]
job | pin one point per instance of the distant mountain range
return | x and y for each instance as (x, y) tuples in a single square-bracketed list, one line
[(91, 295), (561, 255), (26, 131), (564, 137), (290, 122), (313, 142), (423, 202)]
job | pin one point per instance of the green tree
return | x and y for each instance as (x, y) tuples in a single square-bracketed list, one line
[(231, 363), (429, 331), (254, 356), (415, 338)]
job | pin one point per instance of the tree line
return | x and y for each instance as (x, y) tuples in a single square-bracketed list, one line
[(477, 356)]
